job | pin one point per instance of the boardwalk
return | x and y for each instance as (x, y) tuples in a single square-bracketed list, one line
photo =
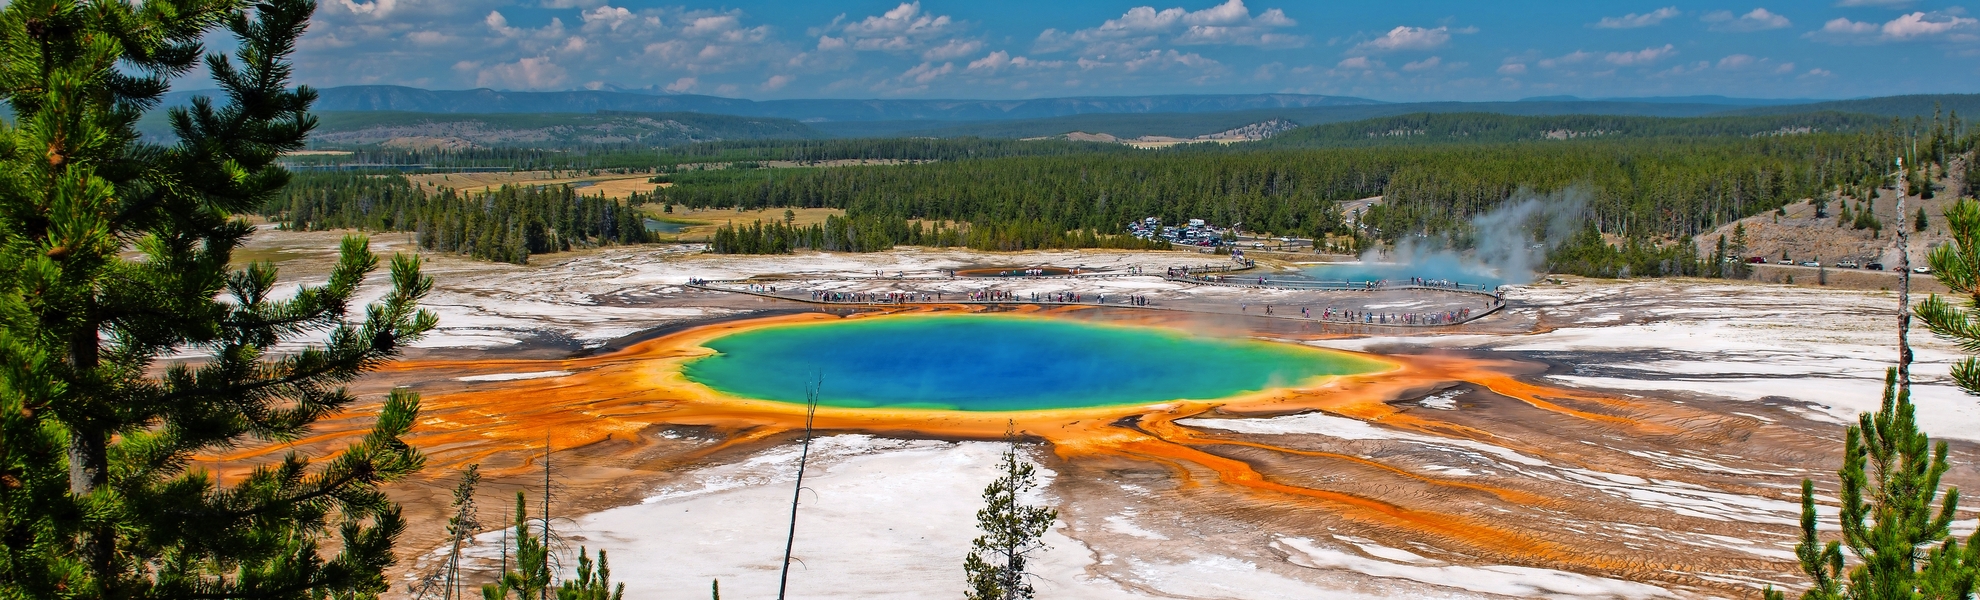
[(1370, 304)]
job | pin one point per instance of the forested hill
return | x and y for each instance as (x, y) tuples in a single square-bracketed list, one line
[(406, 99), (1194, 124), (1446, 128), (428, 130), (1920, 105)]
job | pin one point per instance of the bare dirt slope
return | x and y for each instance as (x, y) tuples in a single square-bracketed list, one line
[(1797, 231)]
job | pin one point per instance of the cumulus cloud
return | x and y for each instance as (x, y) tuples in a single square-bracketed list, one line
[(534, 73), (1917, 26), (609, 18), (374, 8), (998, 61), (1420, 65), (903, 29), (1878, 3), (1230, 23), (1571, 58), (1759, 19), (953, 49), (1358, 63), (1512, 69), (775, 82), (1407, 38), (1640, 57), (1633, 20)]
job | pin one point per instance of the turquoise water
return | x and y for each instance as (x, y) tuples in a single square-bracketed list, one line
[(997, 363), (1441, 266)]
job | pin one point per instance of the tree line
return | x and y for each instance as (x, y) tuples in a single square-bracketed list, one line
[(871, 234), (506, 225), (1434, 128)]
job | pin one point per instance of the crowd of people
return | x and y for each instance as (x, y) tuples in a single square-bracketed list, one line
[(871, 297), (974, 296), (1329, 313), (1404, 318)]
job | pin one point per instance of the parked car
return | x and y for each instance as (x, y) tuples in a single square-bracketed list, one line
[(1810, 263), (1758, 260), (1874, 266), (1784, 262), (1922, 270), (1847, 264)]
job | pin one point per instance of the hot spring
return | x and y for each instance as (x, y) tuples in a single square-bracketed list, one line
[(1002, 363), (1438, 267)]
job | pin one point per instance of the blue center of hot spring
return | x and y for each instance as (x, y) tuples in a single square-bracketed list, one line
[(1002, 363)]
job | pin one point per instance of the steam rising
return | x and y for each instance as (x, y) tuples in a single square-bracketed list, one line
[(1506, 245)]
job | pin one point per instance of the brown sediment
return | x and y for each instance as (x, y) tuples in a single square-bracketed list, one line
[(624, 395)]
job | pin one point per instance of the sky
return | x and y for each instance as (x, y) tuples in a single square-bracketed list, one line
[(1385, 50)]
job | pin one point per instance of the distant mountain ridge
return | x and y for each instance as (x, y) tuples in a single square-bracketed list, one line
[(1914, 105), (486, 101), (1704, 99)]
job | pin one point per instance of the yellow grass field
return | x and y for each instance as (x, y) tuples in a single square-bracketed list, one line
[(704, 222), (617, 186)]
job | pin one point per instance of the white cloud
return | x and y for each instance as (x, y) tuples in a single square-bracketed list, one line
[(1428, 63), (1230, 23), (374, 8), (1407, 38), (429, 38), (991, 63), (1736, 61), (903, 29), (682, 85), (1759, 19), (925, 72), (1818, 73), (1640, 57), (1571, 58), (1784, 68), (1917, 26), (1841, 27), (1878, 3), (776, 82), (1512, 69), (955, 48), (1681, 69), (1358, 63), (608, 17), (534, 73), (1000, 60), (1633, 20)]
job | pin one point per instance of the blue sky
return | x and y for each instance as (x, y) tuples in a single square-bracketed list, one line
[(1397, 51)]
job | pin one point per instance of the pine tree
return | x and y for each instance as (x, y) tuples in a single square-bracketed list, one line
[(460, 530), (530, 579), (1902, 545), (1957, 265), (1738, 249), (99, 494), (1011, 532), (589, 584), (1919, 223)]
